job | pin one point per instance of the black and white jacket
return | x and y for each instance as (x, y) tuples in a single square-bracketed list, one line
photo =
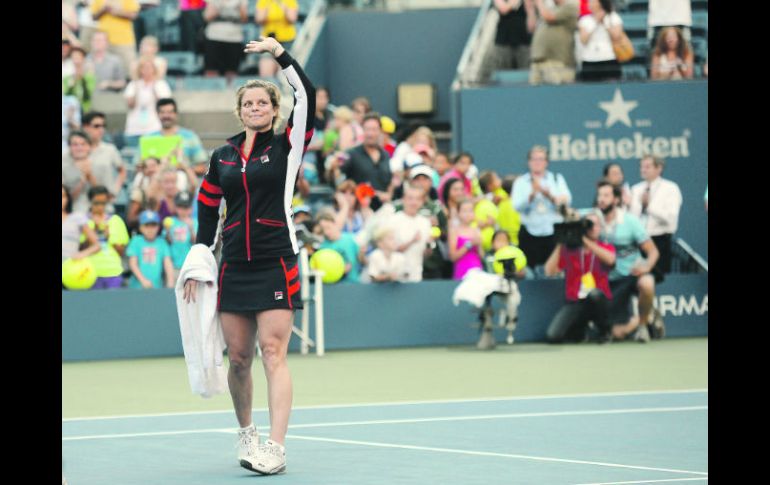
[(258, 186)]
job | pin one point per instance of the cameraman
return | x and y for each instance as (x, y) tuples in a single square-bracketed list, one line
[(587, 268)]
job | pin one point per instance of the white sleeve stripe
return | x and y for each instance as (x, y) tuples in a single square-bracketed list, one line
[(297, 140)]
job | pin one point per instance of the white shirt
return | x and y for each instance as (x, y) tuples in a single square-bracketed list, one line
[(669, 12), (380, 265), (599, 46), (406, 227), (662, 214), (142, 118), (399, 154)]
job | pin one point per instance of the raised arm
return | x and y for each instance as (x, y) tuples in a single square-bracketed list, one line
[(299, 129)]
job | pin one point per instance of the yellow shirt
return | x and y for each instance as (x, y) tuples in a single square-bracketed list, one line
[(276, 23), (120, 31)]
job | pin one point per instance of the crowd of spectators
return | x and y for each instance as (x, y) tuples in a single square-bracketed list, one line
[(560, 41), (401, 210)]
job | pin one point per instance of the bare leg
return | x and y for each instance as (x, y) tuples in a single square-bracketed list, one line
[(646, 285), (274, 333), (240, 332)]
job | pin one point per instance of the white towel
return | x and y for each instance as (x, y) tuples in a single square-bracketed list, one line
[(476, 286), (199, 324)]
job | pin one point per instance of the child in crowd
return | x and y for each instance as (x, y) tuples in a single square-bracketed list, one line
[(342, 242), (180, 230), (385, 263), (113, 238), (464, 242), (500, 240), (149, 255)]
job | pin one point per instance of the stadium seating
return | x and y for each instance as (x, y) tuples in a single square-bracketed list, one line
[(182, 63), (511, 76)]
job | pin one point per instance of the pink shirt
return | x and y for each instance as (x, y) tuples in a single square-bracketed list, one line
[(191, 4)]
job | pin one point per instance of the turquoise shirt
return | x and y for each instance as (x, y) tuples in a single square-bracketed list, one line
[(149, 255), (347, 247), (179, 237), (626, 233)]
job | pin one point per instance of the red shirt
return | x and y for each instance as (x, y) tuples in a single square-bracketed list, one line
[(569, 259), (390, 148)]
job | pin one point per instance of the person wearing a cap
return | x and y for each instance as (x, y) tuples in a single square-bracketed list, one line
[(179, 230), (149, 256), (254, 174)]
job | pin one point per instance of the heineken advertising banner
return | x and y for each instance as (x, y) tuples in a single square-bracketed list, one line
[(586, 126)]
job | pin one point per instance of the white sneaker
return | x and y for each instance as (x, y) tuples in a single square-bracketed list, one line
[(270, 459), (248, 443), (642, 334)]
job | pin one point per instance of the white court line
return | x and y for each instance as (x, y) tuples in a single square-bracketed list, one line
[(404, 403), (486, 453), (650, 481), (410, 420)]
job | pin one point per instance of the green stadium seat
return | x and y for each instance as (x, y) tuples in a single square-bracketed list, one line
[(700, 24), (635, 24), (511, 76), (201, 83), (638, 6), (700, 49), (183, 63), (634, 72), (641, 48)]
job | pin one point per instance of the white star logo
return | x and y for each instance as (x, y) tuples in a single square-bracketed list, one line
[(617, 109)]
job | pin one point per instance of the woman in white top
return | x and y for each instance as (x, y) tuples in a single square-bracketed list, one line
[(672, 57), (141, 96), (596, 32), (149, 47)]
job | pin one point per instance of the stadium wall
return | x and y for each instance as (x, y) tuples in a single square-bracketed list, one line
[(99, 325), (586, 126), (363, 54)]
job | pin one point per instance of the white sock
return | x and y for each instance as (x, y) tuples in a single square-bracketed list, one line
[(248, 428)]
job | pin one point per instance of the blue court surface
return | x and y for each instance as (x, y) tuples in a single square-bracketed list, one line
[(607, 438)]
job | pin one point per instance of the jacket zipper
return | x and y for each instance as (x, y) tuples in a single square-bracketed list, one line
[(245, 161), (248, 206)]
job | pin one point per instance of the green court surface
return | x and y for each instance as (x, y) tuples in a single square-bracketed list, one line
[(522, 414)]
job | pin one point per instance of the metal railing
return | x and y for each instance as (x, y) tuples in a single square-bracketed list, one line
[(311, 29), (476, 47), (686, 260)]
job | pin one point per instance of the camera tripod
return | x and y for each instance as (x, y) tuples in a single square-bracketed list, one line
[(508, 316)]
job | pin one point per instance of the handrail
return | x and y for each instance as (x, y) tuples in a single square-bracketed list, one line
[(308, 34), (473, 39), (691, 252)]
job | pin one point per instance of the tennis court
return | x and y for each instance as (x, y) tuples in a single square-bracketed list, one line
[(523, 414)]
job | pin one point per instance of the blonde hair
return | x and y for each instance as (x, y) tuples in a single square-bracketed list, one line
[(149, 39), (145, 60), (272, 91), (425, 131), (344, 113), (381, 232)]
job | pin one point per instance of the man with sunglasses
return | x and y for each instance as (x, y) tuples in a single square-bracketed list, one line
[(106, 163)]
